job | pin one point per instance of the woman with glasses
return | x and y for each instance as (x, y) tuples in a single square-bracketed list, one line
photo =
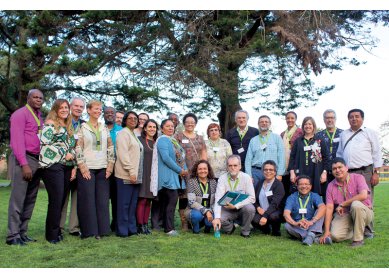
[(218, 150), (268, 201)]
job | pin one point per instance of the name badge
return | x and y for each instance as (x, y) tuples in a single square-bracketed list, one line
[(336, 140), (307, 148), (185, 141), (99, 154), (240, 150), (75, 136), (269, 193), (215, 149), (302, 211), (205, 195), (263, 146)]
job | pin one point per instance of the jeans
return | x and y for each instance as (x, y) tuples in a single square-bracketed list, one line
[(196, 217)]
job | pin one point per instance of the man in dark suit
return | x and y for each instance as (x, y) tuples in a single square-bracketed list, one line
[(239, 137)]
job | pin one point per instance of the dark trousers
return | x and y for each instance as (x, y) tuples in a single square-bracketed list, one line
[(57, 181), (23, 197), (168, 198), (93, 204), (127, 198), (156, 214), (273, 222), (113, 196)]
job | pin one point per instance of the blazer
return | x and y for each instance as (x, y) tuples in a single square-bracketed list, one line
[(275, 200), (168, 169)]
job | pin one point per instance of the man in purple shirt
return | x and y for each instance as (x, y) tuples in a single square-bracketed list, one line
[(26, 126), (350, 196)]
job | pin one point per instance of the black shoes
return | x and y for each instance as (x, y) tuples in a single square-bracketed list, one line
[(76, 234), (232, 231), (27, 239), (245, 236), (57, 240), (16, 241)]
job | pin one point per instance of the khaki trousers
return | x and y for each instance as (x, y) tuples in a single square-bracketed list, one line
[(351, 225), (73, 218)]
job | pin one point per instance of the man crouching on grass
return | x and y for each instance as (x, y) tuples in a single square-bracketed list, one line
[(351, 196)]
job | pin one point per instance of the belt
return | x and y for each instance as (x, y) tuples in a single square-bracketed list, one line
[(36, 156), (361, 168), (257, 167)]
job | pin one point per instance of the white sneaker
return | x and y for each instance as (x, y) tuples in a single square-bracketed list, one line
[(172, 233)]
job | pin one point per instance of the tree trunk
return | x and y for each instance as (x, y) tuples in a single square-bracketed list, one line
[(229, 99)]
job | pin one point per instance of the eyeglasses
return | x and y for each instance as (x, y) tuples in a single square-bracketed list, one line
[(268, 170)]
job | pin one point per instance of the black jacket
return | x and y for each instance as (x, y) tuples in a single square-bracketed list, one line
[(275, 200)]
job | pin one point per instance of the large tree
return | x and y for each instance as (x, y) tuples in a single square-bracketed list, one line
[(205, 60)]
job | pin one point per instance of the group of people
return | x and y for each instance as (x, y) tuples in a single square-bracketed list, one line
[(320, 184)]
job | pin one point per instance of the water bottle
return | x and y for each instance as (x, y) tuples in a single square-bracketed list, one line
[(217, 233)]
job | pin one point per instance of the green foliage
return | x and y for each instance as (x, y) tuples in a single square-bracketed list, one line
[(192, 251)]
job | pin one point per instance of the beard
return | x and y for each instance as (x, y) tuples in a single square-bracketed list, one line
[(263, 128)]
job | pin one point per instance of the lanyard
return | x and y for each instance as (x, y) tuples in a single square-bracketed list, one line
[(305, 204), (306, 152), (77, 127), (38, 122), (213, 145), (264, 141), (241, 136), (343, 189), (204, 190), (97, 133), (331, 138), (235, 185)]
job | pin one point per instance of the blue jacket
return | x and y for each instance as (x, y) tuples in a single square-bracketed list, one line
[(168, 169)]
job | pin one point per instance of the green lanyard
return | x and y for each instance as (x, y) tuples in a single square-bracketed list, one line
[(77, 128), (235, 185), (343, 189), (38, 122), (264, 141), (306, 152), (331, 138), (213, 145), (241, 136), (97, 133), (204, 190), (305, 204)]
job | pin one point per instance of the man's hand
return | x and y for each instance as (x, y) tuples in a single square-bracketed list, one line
[(323, 177), (340, 210), (375, 179), (260, 211), (27, 172), (216, 224), (230, 206), (69, 156)]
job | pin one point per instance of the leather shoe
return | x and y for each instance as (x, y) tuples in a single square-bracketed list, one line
[(357, 243), (76, 234), (57, 240), (245, 236), (232, 231), (27, 239), (16, 241)]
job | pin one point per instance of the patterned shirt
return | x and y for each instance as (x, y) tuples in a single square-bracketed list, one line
[(331, 141), (217, 153), (55, 144)]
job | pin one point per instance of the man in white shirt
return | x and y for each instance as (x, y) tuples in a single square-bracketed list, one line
[(360, 147), (244, 211)]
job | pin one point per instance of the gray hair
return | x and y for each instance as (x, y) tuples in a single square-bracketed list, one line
[(77, 98), (232, 156), (242, 111), (329, 111), (110, 107)]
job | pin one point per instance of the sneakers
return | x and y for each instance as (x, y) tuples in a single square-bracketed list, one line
[(309, 239), (368, 235), (172, 233)]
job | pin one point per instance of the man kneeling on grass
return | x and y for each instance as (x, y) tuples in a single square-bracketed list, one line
[(304, 212), (353, 212)]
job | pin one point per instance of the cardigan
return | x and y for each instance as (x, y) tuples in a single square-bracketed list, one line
[(275, 200)]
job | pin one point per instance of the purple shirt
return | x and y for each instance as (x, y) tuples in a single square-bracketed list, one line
[(356, 184), (24, 134)]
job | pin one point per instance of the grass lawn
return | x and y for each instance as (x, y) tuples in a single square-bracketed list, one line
[(192, 251)]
